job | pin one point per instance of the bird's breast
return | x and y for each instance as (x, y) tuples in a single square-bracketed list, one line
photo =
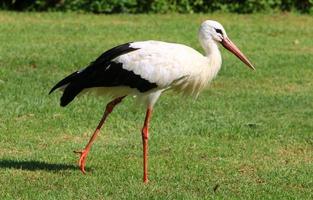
[(198, 78)]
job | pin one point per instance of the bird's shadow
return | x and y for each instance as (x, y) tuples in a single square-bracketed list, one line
[(33, 165)]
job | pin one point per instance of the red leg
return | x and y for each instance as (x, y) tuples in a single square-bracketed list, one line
[(145, 137), (84, 152)]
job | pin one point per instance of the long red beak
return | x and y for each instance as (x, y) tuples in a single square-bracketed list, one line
[(229, 45)]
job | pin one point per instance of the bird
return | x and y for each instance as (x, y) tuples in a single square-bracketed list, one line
[(145, 69)]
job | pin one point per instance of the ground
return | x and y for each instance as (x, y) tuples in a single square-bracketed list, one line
[(249, 135)]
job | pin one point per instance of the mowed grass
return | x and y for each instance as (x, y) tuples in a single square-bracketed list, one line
[(249, 135)]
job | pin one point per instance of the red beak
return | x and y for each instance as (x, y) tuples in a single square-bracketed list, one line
[(229, 45)]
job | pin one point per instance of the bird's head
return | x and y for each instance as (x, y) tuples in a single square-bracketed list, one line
[(212, 30)]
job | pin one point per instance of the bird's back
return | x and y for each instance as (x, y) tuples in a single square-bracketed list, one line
[(163, 62)]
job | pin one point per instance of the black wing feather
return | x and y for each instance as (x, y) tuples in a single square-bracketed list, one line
[(103, 72), (114, 52), (65, 81)]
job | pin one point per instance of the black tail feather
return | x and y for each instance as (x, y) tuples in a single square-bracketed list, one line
[(65, 81)]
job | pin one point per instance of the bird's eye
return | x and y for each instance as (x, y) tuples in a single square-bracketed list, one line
[(219, 31)]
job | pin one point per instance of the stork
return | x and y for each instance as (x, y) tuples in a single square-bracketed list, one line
[(145, 69)]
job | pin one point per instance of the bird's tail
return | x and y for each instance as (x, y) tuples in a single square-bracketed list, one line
[(71, 88), (65, 81)]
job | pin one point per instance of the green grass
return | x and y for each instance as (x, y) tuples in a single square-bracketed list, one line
[(250, 135)]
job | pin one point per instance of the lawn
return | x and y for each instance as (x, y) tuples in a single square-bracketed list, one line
[(249, 135)]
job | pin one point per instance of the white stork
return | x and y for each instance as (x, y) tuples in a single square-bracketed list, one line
[(145, 69)]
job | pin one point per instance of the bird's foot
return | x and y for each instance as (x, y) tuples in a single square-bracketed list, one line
[(82, 159)]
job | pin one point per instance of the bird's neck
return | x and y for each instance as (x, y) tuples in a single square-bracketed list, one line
[(213, 54), (210, 47)]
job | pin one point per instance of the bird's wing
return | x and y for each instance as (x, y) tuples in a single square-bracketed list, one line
[(101, 73), (101, 62), (162, 63)]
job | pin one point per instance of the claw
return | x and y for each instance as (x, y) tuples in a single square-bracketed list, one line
[(82, 160)]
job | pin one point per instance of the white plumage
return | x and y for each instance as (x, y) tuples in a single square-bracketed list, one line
[(145, 69)]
